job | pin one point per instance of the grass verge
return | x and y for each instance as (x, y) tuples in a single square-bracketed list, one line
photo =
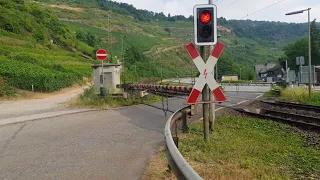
[(248, 148), (90, 99), (244, 148), (299, 94), (158, 168)]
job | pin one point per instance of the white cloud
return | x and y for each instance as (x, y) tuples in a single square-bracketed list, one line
[(238, 10)]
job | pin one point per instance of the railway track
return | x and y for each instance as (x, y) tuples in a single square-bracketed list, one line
[(306, 122), (294, 106), (300, 115)]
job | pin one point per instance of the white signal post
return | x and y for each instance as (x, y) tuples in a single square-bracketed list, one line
[(205, 32)]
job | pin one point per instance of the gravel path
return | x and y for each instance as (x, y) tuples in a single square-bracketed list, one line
[(54, 103)]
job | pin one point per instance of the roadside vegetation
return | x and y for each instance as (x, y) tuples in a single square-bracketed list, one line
[(249, 148), (298, 94), (6, 90), (37, 51), (158, 168), (91, 99)]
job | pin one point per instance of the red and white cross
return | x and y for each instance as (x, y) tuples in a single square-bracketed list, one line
[(206, 76)]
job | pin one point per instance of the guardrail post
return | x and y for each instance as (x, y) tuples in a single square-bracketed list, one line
[(185, 128)]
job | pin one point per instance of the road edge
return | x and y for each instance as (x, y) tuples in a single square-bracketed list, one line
[(41, 116)]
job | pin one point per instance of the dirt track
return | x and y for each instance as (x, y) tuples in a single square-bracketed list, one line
[(10, 109)]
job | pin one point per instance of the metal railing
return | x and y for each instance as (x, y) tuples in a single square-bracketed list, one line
[(180, 167)]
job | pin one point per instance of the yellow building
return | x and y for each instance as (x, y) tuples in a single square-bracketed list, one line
[(230, 78)]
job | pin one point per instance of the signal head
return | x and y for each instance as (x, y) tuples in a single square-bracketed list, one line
[(205, 24)]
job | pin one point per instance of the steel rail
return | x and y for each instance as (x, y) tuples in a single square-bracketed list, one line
[(291, 120), (180, 167), (294, 105)]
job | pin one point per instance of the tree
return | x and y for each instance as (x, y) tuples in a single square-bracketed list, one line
[(315, 43), (301, 48), (297, 49)]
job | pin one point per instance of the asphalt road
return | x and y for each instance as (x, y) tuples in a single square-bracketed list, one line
[(113, 144), (93, 145)]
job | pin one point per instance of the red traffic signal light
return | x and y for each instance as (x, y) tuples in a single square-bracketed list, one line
[(205, 17), (205, 24)]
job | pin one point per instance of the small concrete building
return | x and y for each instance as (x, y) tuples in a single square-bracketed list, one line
[(111, 76)]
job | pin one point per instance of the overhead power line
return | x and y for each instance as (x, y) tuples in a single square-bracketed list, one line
[(225, 7), (263, 8)]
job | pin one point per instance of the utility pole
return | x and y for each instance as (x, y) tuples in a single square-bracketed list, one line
[(205, 99), (310, 85), (135, 69), (122, 53), (161, 74), (309, 24), (212, 106)]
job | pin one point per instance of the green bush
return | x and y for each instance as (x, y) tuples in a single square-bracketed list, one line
[(24, 75), (5, 89), (86, 49)]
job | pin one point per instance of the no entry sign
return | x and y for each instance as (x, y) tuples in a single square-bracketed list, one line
[(102, 54), (206, 76)]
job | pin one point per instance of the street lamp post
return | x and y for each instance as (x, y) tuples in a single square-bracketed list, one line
[(309, 24)]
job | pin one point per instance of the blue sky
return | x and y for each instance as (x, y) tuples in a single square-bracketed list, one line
[(238, 10)]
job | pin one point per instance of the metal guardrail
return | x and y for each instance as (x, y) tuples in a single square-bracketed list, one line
[(180, 167)]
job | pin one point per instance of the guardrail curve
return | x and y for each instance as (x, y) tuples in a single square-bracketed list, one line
[(180, 167)]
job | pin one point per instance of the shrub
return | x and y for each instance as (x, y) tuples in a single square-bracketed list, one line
[(24, 75), (5, 89)]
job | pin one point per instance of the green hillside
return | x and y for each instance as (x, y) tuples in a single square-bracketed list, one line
[(51, 43), (37, 50), (159, 41)]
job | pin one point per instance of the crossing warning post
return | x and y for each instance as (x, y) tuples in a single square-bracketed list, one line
[(205, 81)]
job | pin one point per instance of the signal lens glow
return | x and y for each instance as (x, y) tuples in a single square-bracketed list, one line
[(205, 17)]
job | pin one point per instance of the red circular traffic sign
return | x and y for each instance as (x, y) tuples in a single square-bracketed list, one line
[(102, 54)]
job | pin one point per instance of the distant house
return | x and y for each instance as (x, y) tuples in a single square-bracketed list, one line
[(269, 72)]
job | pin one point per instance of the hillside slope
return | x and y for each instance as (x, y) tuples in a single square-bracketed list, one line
[(158, 42), (37, 50), (44, 42)]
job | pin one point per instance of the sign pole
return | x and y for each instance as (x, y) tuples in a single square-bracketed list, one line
[(102, 74), (300, 62), (102, 55), (205, 98), (212, 108), (212, 111)]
